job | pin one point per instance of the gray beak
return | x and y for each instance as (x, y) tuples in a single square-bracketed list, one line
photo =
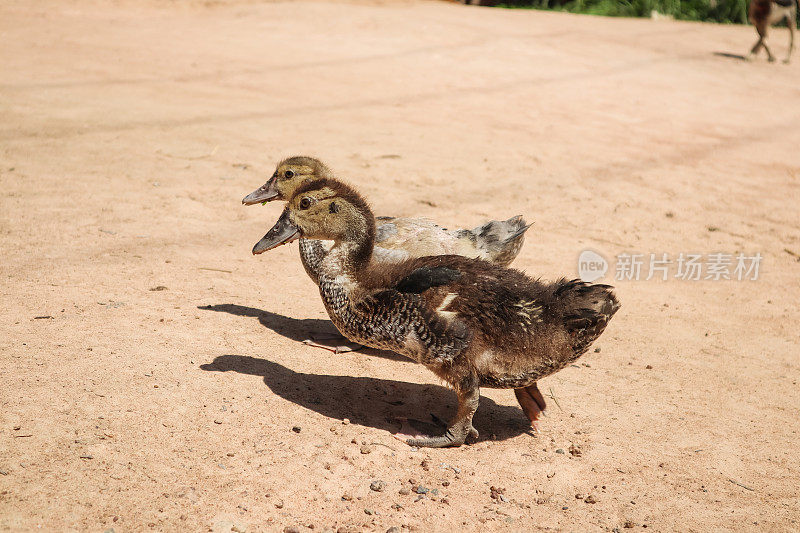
[(282, 232), (265, 193)]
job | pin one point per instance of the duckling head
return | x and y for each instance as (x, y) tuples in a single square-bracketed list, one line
[(289, 175), (324, 209)]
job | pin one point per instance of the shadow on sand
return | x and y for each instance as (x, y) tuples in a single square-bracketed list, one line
[(295, 329), (740, 57), (371, 402)]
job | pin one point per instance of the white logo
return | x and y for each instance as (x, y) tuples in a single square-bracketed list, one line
[(591, 266)]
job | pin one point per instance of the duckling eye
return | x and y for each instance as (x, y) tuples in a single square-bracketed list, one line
[(288, 174), (305, 203)]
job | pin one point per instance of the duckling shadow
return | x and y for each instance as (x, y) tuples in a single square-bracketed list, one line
[(371, 402), (295, 329)]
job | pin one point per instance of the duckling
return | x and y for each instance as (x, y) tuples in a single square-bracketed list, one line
[(396, 238), (473, 323)]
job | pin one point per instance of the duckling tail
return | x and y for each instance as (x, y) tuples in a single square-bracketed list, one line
[(500, 241), (586, 310)]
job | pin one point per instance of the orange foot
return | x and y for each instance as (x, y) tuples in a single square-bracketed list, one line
[(532, 403)]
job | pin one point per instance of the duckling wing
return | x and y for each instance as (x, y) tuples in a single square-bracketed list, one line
[(426, 277)]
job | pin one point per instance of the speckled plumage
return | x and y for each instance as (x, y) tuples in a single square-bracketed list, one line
[(471, 322)]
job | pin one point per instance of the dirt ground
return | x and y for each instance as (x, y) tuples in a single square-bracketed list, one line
[(129, 133)]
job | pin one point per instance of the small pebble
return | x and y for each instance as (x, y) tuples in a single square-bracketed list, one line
[(590, 499), (218, 421), (575, 450), (378, 485), (291, 529), (404, 491), (559, 450), (628, 524), (87, 456), (347, 497), (368, 512), (279, 504), (421, 490), (393, 529), (597, 350), (345, 421), (297, 429), (649, 367), (365, 449)]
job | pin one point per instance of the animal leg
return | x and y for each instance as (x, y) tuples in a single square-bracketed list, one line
[(790, 22), (770, 57), (332, 342), (756, 48), (460, 428), (532, 402)]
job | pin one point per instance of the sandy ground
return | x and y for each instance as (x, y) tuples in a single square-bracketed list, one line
[(129, 134)]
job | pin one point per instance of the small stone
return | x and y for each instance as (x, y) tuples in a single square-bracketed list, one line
[(628, 524), (347, 497), (368, 512), (445, 483), (218, 421), (378, 485), (426, 465), (579, 496), (649, 367), (496, 493), (393, 529), (297, 429), (404, 491), (435, 492), (397, 507), (87, 456), (230, 454), (421, 490), (291, 529), (345, 421), (158, 288), (239, 528), (279, 504), (559, 450), (564, 508), (590, 499), (575, 450), (365, 449), (597, 350)]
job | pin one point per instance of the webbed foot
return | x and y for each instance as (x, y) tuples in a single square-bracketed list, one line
[(332, 342), (452, 437)]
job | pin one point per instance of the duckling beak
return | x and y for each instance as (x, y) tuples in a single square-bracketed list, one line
[(265, 193), (282, 232)]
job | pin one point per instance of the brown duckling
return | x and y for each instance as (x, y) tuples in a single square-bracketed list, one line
[(472, 323), (396, 238)]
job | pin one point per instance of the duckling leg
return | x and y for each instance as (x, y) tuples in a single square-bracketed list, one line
[(532, 402), (333, 342), (459, 429)]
